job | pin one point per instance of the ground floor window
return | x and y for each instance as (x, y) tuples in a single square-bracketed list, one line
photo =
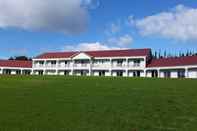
[(101, 73), (166, 74), (7, 72), (83, 73), (119, 73), (18, 72), (40, 72), (66, 73), (136, 74), (181, 74), (154, 73), (26, 72)]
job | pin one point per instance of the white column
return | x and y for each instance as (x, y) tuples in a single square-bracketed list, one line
[(90, 68), (186, 73), (72, 67), (127, 65), (110, 70), (145, 75), (158, 71)]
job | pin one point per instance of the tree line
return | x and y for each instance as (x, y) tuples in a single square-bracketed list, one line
[(165, 54), (22, 58)]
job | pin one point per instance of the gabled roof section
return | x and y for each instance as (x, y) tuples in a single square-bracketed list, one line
[(51, 55), (180, 61), (81, 55), (104, 53), (16, 63)]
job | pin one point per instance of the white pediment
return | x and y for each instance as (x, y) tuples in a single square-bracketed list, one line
[(81, 56)]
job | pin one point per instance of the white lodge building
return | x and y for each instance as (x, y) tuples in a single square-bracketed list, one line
[(126, 63)]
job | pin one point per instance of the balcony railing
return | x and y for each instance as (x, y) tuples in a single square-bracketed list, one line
[(51, 66), (81, 65), (119, 65), (64, 66), (38, 66), (132, 65), (101, 65)]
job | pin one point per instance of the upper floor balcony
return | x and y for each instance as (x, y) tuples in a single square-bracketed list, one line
[(81, 66)]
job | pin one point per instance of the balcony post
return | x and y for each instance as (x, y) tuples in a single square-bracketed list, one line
[(72, 66), (110, 69), (186, 73), (158, 71), (90, 67)]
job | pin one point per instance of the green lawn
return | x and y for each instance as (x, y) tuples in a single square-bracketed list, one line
[(97, 104)]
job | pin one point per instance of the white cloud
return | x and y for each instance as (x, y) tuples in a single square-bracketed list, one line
[(113, 43), (122, 41), (130, 21), (113, 28), (180, 23), (67, 16), (88, 47)]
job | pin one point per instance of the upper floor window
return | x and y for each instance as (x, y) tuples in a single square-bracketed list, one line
[(136, 62), (53, 62), (119, 61), (41, 62)]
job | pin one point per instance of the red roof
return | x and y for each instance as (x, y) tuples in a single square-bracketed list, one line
[(15, 63), (56, 55), (104, 53), (180, 61), (117, 53)]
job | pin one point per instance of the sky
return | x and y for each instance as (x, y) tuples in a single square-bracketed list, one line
[(33, 27)]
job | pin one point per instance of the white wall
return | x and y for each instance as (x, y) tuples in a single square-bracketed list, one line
[(149, 74), (13, 72), (142, 74), (174, 74), (95, 73), (50, 72), (161, 74), (108, 73), (192, 73), (81, 56)]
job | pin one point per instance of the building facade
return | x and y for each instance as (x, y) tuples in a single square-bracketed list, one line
[(125, 63)]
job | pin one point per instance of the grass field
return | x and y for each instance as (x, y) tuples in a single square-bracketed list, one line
[(97, 104)]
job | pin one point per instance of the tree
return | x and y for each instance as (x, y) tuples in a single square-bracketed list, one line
[(22, 58)]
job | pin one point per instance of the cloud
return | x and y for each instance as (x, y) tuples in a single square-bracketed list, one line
[(122, 41), (113, 43), (113, 28), (88, 47), (66, 16), (179, 23)]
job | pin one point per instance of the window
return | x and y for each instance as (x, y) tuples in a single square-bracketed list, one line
[(53, 62), (40, 72), (166, 74), (66, 73), (120, 73), (7, 72), (154, 73), (136, 74), (181, 74), (136, 63), (18, 72), (83, 73), (40, 63), (26, 72), (102, 73)]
